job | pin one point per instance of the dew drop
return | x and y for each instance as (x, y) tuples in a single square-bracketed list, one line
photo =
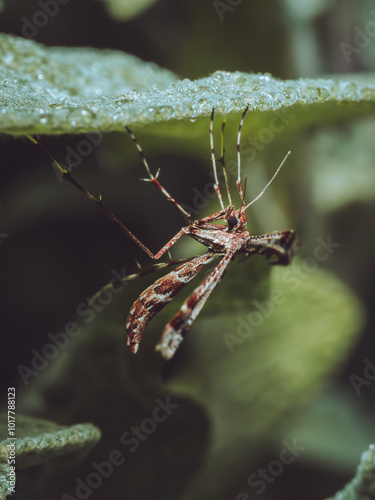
[(55, 105)]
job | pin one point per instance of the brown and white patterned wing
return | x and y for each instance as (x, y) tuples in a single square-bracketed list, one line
[(158, 295), (179, 325)]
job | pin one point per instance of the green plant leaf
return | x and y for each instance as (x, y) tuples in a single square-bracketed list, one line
[(362, 486), (127, 9), (75, 90), (39, 441)]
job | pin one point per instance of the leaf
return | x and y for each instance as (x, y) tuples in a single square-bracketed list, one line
[(362, 486), (76, 90), (39, 441), (127, 9), (343, 170), (43, 88)]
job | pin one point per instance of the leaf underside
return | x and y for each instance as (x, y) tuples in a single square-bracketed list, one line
[(60, 90)]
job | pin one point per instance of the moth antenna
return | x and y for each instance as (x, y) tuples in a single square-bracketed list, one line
[(270, 181), (213, 160), (222, 161)]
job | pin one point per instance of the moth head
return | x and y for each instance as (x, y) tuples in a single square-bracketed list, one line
[(235, 219)]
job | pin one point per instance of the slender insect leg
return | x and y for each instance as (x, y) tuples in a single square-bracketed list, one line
[(179, 325), (171, 242), (216, 216), (99, 202), (158, 295), (216, 186), (222, 161), (152, 178), (239, 185)]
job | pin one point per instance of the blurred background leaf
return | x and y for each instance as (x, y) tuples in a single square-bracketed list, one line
[(126, 9)]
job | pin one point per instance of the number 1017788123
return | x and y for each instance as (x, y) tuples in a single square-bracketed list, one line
[(225, 242)]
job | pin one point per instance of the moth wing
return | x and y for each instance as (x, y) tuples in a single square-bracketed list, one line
[(180, 324), (158, 295)]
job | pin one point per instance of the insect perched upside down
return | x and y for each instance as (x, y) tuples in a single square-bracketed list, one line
[(224, 242)]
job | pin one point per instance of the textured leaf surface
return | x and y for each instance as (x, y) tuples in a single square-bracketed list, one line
[(362, 486), (75, 90), (39, 441)]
